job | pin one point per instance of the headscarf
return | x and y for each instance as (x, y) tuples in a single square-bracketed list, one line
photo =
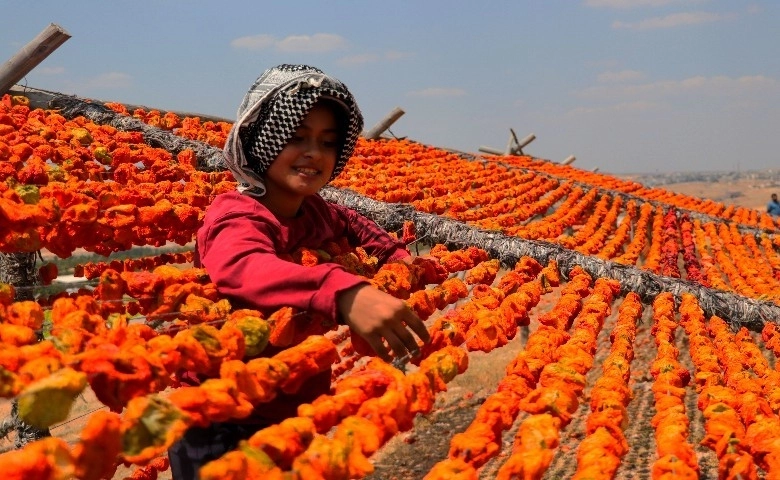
[(271, 112)]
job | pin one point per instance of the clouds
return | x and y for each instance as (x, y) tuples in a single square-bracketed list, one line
[(50, 70), (619, 77), (627, 4), (317, 43), (110, 80), (719, 92), (364, 58), (673, 20), (719, 85), (438, 92), (622, 107)]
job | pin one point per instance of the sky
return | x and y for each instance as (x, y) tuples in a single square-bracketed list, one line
[(626, 86)]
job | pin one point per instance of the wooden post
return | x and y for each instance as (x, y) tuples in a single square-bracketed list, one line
[(522, 143), (31, 55), (384, 124), (490, 150), (19, 270), (513, 146), (511, 143), (569, 160)]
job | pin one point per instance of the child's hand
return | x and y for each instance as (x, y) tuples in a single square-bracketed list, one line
[(375, 315)]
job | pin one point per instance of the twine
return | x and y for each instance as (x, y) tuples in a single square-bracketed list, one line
[(210, 159), (736, 309)]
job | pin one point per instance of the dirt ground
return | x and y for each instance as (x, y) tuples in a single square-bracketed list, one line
[(744, 193), (410, 456)]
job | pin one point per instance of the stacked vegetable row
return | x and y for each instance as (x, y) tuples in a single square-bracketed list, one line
[(69, 184)]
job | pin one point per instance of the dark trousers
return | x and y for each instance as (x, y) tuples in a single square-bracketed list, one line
[(199, 446), (202, 445)]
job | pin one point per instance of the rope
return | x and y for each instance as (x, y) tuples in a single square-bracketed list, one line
[(24, 433), (209, 158), (736, 309), (756, 232)]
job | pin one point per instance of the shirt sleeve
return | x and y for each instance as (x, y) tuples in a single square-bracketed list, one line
[(365, 233), (238, 252)]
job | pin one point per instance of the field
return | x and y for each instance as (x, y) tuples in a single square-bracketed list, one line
[(744, 193), (625, 328), (411, 454)]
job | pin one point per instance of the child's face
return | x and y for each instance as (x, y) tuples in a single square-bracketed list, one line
[(307, 161)]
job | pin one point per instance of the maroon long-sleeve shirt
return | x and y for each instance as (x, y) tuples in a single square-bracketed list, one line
[(239, 245), (240, 242)]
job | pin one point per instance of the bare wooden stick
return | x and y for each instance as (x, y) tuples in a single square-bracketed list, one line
[(511, 144), (384, 124), (31, 55), (569, 160), (514, 137), (524, 142), (19, 270), (490, 150)]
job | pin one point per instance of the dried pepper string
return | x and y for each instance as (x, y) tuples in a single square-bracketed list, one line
[(749, 216), (596, 242), (482, 438), (725, 429), (600, 452), (676, 456), (561, 382)]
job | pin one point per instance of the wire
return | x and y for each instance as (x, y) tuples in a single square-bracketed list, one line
[(76, 418)]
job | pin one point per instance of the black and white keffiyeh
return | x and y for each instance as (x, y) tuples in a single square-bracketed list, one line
[(271, 112)]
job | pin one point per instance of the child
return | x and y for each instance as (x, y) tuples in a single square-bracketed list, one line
[(295, 130)]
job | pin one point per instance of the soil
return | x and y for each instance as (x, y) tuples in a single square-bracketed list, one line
[(411, 455)]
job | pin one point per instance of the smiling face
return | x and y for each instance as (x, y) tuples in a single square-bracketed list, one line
[(306, 163)]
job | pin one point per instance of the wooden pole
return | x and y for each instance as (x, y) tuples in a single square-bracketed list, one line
[(31, 55), (569, 160), (522, 143), (511, 143), (490, 150), (384, 124), (19, 270)]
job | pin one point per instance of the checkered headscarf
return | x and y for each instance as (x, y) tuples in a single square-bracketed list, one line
[(271, 112)]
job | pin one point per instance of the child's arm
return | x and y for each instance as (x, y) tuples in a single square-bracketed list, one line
[(371, 313), (375, 315), (367, 234), (241, 259)]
